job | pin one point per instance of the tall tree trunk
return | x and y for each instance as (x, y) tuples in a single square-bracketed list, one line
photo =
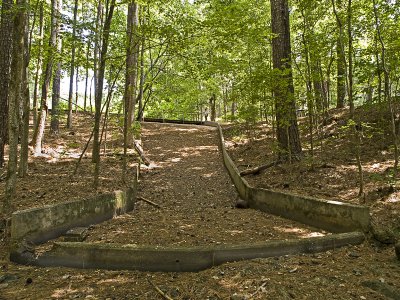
[(96, 54), (24, 153), (212, 107), (55, 97), (5, 63), (86, 75), (142, 80), (378, 69), (76, 88), (347, 77), (16, 95), (342, 79), (341, 76), (55, 101), (38, 67), (72, 70), (130, 77), (39, 129), (90, 92), (308, 78), (350, 59), (99, 92), (131, 69), (285, 104)]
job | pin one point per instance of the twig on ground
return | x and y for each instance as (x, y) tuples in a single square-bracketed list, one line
[(148, 201), (164, 295)]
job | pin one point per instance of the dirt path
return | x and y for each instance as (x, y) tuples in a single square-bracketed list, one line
[(345, 273), (196, 194)]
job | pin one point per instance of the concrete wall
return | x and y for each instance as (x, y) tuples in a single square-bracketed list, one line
[(192, 259), (329, 215), (41, 224), (333, 216)]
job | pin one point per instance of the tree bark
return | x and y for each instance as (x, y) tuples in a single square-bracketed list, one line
[(86, 75), (212, 101), (72, 70), (38, 67), (99, 93), (131, 68), (285, 104), (350, 59), (341, 80), (5, 64), (130, 77), (24, 153), (55, 97), (142, 80), (39, 129), (16, 95)]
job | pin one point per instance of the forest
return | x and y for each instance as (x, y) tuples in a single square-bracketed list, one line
[(306, 93)]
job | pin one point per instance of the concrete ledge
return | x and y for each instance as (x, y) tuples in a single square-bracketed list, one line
[(38, 225), (158, 259), (333, 216), (182, 121)]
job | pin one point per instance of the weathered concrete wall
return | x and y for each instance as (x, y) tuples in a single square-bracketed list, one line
[(329, 215), (333, 216), (158, 259), (41, 224)]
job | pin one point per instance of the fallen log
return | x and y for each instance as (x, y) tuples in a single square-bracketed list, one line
[(258, 169), (140, 151)]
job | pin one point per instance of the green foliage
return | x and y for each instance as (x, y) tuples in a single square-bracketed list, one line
[(73, 145), (194, 49), (136, 129)]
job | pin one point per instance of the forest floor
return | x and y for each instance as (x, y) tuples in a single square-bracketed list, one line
[(188, 180)]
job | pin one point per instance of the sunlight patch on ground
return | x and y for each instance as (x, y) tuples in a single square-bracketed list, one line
[(110, 280), (234, 232), (61, 293), (175, 159), (393, 198), (197, 168), (303, 233), (187, 129), (314, 234), (186, 226), (289, 229), (209, 175)]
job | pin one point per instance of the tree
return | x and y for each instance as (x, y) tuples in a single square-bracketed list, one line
[(25, 107), (340, 59), (99, 91), (55, 97), (350, 55), (16, 95), (39, 129), (132, 44), (72, 70), (38, 65), (285, 104), (5, 63)]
